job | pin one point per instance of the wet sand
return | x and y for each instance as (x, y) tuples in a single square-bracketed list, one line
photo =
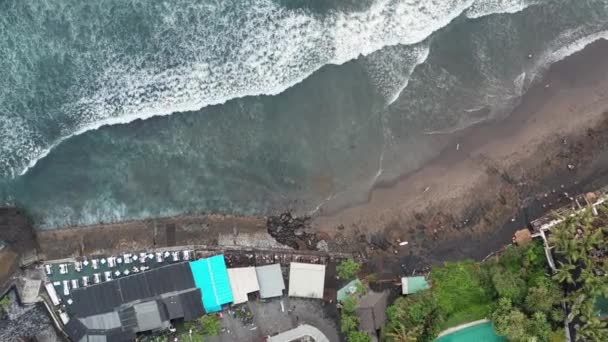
[(468, 202)]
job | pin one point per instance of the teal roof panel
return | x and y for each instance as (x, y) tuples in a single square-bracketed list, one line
[(211, 277)]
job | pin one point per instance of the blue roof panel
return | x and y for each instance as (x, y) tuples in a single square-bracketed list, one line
[(211, 276)]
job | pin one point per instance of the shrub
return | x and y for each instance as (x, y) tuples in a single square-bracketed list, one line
[(348, 269), (418, 312), (348, 322), (509, 285), (211, 325), (457, 285), (358, 336), (542, 299)]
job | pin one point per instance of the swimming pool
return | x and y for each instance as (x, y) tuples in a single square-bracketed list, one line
[(482, 332)]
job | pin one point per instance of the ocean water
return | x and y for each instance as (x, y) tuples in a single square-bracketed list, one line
[(114, 110)]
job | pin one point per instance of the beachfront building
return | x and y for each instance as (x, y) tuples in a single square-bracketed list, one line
[(306, 280), (117, 298), (211, 276), (117, 310), (243, 281), (410, 285), (270, 280), (372, 312)]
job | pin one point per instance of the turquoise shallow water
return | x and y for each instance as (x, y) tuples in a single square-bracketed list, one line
[(131, 109), (478, 333)]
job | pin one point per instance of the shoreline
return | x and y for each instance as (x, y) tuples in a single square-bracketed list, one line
[(461, 202), (457, 217)]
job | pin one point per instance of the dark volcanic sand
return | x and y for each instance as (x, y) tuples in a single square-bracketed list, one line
[(495, 183)]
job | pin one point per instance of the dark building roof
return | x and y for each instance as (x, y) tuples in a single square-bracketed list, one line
[(134, 287), (127, 318), (119, 335), (176, 277), (173, 307), (330, 293), (191, 304), (107, 296), (372, 311), (75, 329), (186, 305), (96, 299)]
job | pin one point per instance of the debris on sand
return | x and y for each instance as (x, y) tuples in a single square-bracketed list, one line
[(292, 231)]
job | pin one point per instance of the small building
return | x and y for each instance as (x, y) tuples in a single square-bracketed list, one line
[(411, 285), (372, 311), (211, 276), (348, 289), (306, 280), (243, 281), (522, 237), (270, 279)]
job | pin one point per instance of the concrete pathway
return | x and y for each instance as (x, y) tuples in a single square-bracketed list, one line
[(299, 332)]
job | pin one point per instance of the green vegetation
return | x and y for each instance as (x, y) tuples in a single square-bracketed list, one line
[(514, 289), (349, 322), (580, 249), (4, 304), (417, 317), (195, 331), (348, 269)]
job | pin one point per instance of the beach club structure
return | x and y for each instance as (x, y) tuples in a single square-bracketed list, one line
[(109, 310)]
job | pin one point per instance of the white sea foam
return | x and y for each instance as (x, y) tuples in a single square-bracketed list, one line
[(226, 51), (567, 44), (266, 53), (482, 8), (391, 67)]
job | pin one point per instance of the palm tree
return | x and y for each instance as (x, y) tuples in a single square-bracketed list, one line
[(400, 334), (591, 327), (563, 274)]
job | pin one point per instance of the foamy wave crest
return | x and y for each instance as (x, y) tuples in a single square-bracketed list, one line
[(481, 8), (390, 68), (207, 54), (567, 44)]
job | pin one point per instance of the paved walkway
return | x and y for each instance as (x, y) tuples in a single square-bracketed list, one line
[(299, 332)]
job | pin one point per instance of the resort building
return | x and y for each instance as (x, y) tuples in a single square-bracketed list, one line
[(372, 311), (306, 280), (270, 280), (116, 298), (243, 281)]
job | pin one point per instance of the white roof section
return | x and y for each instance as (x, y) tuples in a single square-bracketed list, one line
[(50, 289), (306, 280), (243, 280), (270, 279)]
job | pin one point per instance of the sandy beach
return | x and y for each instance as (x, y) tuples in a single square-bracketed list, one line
[(454, 207)]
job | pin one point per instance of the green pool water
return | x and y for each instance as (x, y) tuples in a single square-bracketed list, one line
[(479, 333)]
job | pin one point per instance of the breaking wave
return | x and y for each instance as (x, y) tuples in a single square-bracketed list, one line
[(186, 56), (198, 55), (482, 8)]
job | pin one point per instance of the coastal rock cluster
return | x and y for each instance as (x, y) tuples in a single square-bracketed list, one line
[(292, 231)]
